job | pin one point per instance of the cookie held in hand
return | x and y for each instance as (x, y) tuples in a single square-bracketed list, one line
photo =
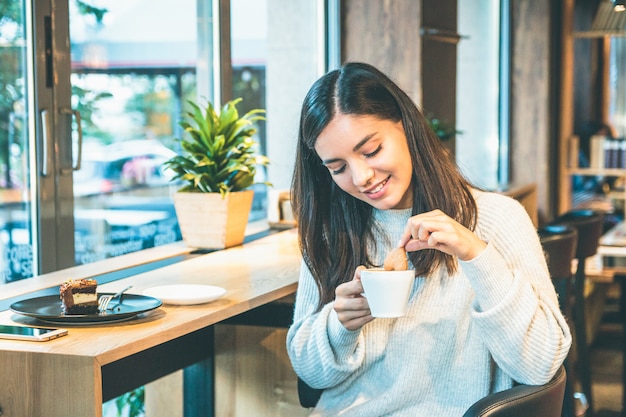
[(396, 260)]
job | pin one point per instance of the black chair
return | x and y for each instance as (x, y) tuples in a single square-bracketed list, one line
[(559, 246), (307, 395), (589, 225), (524, 400), (559, 243), (519, 401)]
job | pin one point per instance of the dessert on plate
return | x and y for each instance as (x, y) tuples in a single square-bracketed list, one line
[(79, 296)]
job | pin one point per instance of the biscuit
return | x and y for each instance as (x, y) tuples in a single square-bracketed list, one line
[(396, 260)]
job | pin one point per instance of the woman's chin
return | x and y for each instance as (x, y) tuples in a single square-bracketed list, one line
[(388, 204)]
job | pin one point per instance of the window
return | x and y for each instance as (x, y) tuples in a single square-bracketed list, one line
[(17, 221), (480, 144), (617, 88), (130, 79), (133, 66)]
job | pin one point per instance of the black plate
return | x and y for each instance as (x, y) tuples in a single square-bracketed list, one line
[(49, 308)]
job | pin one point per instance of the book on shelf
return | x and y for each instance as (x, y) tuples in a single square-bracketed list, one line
[(606, 152)]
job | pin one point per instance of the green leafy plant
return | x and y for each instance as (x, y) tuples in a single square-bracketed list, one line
[(219, 152), (132, 402), (444, 130)]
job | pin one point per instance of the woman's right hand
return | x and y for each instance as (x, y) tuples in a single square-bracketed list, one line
[(351, 307)]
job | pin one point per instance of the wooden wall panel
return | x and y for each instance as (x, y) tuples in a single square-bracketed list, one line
[(531, 117), (385, 33), (566, 107)]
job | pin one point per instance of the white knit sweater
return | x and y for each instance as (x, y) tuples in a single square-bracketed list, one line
[(496, 321)]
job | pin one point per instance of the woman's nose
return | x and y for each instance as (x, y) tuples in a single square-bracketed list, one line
[(362, 175)]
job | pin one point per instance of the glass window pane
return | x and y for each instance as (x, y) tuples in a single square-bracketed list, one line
[(617, 88), (278, 51), (249, 61), (16, 234), (133, 65), (477, 146)]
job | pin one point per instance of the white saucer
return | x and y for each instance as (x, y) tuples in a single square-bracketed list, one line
[(185, 294)]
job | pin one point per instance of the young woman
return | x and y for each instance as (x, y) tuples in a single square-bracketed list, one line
[(483, 314)]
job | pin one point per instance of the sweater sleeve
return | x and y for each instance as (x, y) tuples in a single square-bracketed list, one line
[(322, 352), (516, 309)]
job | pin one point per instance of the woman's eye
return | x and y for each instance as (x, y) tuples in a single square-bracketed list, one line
[(338, 171), (372, 154)]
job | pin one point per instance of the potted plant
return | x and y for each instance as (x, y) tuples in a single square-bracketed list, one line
[(217, 166)]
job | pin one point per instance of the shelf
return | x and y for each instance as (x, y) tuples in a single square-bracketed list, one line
[(597, 34), (604, 172)]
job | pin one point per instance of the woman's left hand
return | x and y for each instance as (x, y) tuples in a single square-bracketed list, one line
[(436, 230), (351, 307)]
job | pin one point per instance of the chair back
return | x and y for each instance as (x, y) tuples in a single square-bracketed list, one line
[(589, 224), (307, 395), (524, 400), (559, 242)]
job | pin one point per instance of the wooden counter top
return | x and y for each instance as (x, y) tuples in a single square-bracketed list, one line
[(66, 373)]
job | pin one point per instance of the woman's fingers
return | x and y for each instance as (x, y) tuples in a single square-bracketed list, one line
[(436, 230), (351, 307), (421, 227)]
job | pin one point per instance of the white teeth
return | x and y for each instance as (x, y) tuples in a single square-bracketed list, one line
[(380, 187)]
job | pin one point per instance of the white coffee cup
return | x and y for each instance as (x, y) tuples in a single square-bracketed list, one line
[(387, 292)]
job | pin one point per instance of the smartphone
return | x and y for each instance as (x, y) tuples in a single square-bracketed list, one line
[(37, 334)]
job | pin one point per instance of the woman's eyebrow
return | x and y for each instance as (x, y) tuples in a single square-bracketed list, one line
[(330, 161), (363, 142)]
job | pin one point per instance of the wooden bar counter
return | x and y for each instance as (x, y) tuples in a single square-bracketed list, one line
[(72, 375)]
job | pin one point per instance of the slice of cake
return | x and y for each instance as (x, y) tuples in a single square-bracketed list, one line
[(79, 296)]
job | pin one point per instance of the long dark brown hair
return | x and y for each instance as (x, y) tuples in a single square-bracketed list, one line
[(334, 227)]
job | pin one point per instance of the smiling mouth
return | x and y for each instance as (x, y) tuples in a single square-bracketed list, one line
[(378, 187)]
